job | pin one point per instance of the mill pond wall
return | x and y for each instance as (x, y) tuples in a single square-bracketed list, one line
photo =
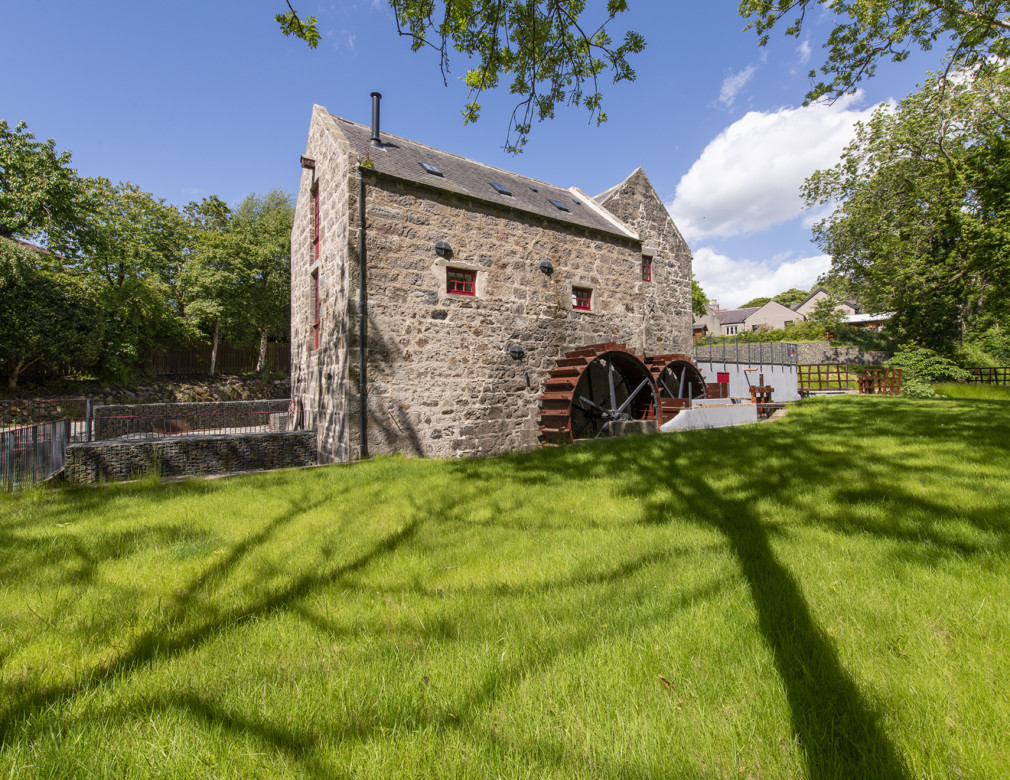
[(187, 456)]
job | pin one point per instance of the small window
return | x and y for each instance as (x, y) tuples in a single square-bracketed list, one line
[(731, 330), (315, 309), (432, 169), (560, 206), (460, 282), (315, 221), (646, 268), (501, 189), (576, 201), (788, 323), (534, 188), (582, 298)]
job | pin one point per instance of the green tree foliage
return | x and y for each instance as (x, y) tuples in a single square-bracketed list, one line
[(545, 49), (923, 222), (791, 296), (236, 282), (132, 244), (46, 314), (975, 32), (38, 188), (755, 302), (699, 301)]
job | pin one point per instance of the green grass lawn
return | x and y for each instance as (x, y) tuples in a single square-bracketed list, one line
[(822, 596)]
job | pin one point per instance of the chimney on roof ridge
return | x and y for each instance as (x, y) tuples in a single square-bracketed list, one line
[(376, 139)]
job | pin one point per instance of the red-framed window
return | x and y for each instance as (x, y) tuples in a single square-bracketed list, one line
[(460, 282), (582, 298), (646, 268), (315, 221), (315, 309)]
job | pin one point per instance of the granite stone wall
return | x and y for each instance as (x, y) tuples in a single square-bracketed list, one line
[(113, 421), (812, 353), (441, 381), (189, 456), (319, 376)]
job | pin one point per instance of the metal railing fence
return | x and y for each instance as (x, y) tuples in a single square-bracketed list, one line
[(33, 454), (226, 418), (748, 351)]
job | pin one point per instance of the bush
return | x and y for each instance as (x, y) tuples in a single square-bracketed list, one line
[(921, 367)]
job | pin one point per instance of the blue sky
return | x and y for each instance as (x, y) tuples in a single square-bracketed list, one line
[(187, 99)]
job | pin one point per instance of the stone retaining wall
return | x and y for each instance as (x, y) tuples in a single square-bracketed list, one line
[(813, 353), (189, 456), (111, 422)]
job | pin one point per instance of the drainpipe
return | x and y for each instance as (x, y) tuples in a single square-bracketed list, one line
[(362, 320)]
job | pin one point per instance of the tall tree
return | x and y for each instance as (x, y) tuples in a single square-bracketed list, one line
[(237, 280), (922, 225), (133, 245), (38, 188), (545, 49), (46, 314), (975, 32), (699, 301), (262, 231)]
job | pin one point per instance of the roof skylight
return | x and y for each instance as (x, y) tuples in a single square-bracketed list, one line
[(501, 188), (432, 169), (561, 206), (534, 188)]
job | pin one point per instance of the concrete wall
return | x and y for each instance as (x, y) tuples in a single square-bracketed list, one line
[(189, 456), (782, 378)]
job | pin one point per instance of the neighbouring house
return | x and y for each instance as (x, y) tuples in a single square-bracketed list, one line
[(477, 282), (729, 322), (868, 321), (807, 305)]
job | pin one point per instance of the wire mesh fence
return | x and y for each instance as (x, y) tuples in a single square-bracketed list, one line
[(746, 351), (32, 454), (160, 421)]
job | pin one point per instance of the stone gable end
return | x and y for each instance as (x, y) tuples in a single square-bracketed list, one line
[(441, 379)]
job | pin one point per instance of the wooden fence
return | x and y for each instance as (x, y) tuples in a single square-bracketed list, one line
[(990, 376)]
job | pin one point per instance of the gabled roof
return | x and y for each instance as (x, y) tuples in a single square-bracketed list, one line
[(401, 158), (733, 316)]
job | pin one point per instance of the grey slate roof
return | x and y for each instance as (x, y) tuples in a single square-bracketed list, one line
[(731, 316), (402, 158)]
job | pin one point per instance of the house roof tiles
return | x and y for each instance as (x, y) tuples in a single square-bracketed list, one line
[(401, 158)]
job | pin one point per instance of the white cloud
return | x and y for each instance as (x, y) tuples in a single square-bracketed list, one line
[(733, 83), (804, 51), (733, 282), (748, 178)]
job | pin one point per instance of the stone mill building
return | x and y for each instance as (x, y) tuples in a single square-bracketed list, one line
[(479, 286)]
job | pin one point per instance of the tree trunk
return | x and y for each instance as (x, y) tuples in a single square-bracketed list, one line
[(16, 369), (213, 349), (261, 361)]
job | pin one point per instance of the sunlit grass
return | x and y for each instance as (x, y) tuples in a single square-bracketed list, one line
[(973, 392), (823, 596)]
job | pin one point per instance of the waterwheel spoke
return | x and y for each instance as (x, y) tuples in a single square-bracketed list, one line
[(683, 376), (613, 392), (667, 388), (596, 409), (632, 396)]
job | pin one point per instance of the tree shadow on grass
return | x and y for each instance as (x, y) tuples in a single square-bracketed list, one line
[(683, 477)]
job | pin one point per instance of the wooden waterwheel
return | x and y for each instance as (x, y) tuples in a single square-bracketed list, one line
[(593, 387)]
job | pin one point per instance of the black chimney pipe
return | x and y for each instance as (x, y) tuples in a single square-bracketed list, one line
[(375, 139)]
